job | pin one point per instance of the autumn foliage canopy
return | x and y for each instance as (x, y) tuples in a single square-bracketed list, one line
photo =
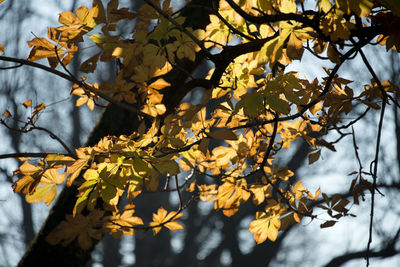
[(252, 110)]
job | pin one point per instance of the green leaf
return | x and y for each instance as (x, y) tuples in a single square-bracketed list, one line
[(223, 134), (108, 193), (253, 104), (277, 104)]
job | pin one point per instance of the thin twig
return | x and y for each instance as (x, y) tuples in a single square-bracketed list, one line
[(11, 67), (55, 137), (75, 80), (24, 129), (179, 192), (378, 141), (29, 154), (167, 182), (356, 151)]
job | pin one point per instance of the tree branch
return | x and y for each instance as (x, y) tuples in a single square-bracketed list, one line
[(29, 154), (82, 84), (378, 142)]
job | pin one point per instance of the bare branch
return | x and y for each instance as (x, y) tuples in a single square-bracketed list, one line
[(29, 154), (80, 83), (378, 142)]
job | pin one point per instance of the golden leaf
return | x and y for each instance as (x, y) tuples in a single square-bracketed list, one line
[(123, 222), (7, 113), (159, 84), (27, 103), (265, 227), (162, 217), (223, 155)]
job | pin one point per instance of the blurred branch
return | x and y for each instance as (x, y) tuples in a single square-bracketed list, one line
[(387, 251), (28, 154), (80, 83), (31, 122)]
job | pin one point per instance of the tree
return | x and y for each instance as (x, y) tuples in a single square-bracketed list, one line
[(149, 143)]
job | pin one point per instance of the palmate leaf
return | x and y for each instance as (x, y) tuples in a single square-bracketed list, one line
[(162, 217), (84, 228), (252, 90), (265, 227), (123, 222), (47, 188)]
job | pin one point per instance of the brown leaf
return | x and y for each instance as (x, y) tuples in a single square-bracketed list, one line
[(313, 157), (295, 47), (223, 134), (90, 64), (333, 55), (328, 224)]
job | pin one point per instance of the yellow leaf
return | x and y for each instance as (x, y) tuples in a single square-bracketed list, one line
[(26, 184), (27, 103), (67, 18), (7, 113), (97, 38), (265, 227), (123, 222), (59, 159), (165, 218), (159, 84), (260, 192), (207, 192), (39, 107), (231, 194), (359, 7), (192, 186), (75, 169), (1, 48), (223, 155), (288, 6), (85, 16), (27, 168), (40, 194), (324, 5), (174, 226)]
